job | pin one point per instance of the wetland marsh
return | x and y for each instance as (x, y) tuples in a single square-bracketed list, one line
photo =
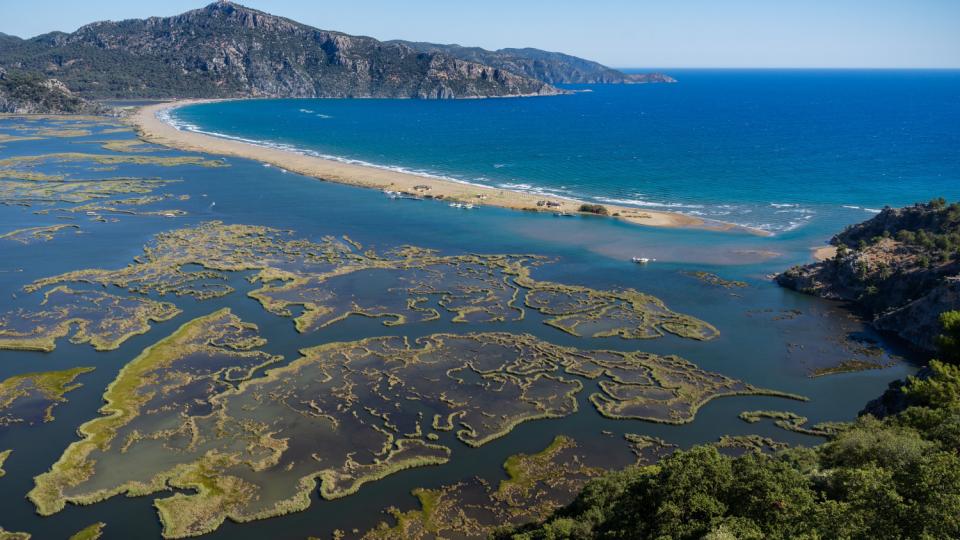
[(273, 353)]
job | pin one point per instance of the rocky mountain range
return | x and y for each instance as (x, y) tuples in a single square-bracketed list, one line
[(550, 67), (901, 269), (228, 50)]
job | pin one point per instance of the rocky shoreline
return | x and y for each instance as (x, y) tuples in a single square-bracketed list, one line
[(900, 269)]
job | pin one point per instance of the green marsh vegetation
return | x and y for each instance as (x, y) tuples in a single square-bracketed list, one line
[(4, 455), (107, 159), (7, 535), (30, 235), (102, 319), (93, 532), (791, 421), (343, 414), (896, 477), (475, 509), (62, 184), (31, 397), (417, 284), (847, 366), (236, 456), (714, 280)]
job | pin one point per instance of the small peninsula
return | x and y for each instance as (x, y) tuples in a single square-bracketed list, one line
[(901, 269)]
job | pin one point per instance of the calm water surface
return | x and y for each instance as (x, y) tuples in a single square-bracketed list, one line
[(695, 152)]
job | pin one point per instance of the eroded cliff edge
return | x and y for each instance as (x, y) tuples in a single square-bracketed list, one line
[(901, 269)]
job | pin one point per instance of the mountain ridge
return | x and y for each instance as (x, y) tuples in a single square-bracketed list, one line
[(226, 50), (550, 67)]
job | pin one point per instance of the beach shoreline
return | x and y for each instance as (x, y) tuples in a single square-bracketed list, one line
[(153, 129)]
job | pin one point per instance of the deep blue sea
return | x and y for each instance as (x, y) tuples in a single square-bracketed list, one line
[(782, 150)]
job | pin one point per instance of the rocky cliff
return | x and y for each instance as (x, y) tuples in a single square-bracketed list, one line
[(30, 94), (900, 268), (227, 50), (550, 67)]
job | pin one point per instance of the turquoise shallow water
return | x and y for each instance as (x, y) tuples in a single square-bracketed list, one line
[(785, 151)]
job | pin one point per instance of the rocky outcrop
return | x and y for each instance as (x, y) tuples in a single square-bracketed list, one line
[(227, 50), (30, 94), (550, 67), (647, 78), (894, 399), (901, 269), (918, 321)]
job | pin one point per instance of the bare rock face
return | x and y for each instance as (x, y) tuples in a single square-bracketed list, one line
[(918, 321), (227, 50), (901, 269), (550, 67)]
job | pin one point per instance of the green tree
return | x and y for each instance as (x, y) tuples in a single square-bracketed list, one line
[(940, 390), (948, 343), (771, 492), (891, 478)]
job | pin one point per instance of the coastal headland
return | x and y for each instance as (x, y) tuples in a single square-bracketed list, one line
[(147, 120)]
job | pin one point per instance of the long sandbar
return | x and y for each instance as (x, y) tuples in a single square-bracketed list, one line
[(151, 128)]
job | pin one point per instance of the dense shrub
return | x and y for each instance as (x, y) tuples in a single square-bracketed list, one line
[(595, 209), (949, 341)]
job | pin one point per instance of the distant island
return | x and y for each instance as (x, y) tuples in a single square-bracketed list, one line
[(226, 50)]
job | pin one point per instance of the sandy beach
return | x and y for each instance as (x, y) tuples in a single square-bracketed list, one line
[(824, 253), (154, 130)]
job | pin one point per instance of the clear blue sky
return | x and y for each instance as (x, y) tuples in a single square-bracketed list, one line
[(620, 33)]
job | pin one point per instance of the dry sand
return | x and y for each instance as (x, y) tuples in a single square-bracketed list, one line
[(154, 130), (824, 253)]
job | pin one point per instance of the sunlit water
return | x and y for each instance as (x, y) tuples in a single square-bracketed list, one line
[(756, 343), (777, 150)]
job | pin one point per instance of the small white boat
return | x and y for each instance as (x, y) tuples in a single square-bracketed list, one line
[(643, 260), (468, 206), (456, 205)]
